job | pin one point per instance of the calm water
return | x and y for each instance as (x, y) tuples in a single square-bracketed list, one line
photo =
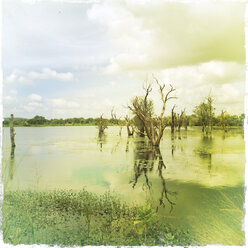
[(194, 182)]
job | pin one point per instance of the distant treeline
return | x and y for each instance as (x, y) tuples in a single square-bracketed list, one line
[(193, 120), (42, 121)]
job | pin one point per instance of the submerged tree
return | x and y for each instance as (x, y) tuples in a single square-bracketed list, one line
[(129, 124), (223, 121), (173, 119), (180, 119), (186, 122), (154, 125), (210, 113), (12, 131), (117, 120), (146, 109), (102, 125), (201, 112), (205, 113)]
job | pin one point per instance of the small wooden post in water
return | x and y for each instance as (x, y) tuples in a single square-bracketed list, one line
[(12, 131)]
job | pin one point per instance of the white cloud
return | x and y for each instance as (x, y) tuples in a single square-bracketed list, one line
[(13, 92), (229, 94), (34, 107), (29, 1), (88, 94), (62, 108), (19, 76), (35, 104), (47, 73), (225, 81), (9, 99), (112, 83), (35, 97), (54, 107), (71, 104), (152, 35), (29, 109), (65, 1), (196, 47), (107, 102), (62, 103), (209, 73)]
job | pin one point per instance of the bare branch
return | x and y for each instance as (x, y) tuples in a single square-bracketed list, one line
[(153, 126), (148, 89), (168, 93)]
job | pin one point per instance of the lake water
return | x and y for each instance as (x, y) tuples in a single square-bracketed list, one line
[(194, 182)]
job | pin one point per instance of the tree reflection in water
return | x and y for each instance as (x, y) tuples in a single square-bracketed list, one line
[(101, 139), (146, 158), (176, 142), (204, 151), (127, 144), (12, 163), (8, 169)]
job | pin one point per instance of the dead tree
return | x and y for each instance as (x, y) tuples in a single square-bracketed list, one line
[(12, 131), (117, 120), (154, 126), (130, 129), (210, 113), (146, 107), (223, 120), (186, 122), (180, 120), (173, 119), (102, 125)]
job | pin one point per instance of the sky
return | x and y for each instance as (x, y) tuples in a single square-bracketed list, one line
[(81, 58)]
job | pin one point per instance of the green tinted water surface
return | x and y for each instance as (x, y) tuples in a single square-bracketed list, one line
[(195, 182)]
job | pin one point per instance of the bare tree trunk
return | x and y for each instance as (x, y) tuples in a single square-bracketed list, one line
[(120, 130), (128, 124), (223, 121), (129, 132), (117, 120), (180, 120), (142, 132), (211, 114), (186, 124), (173, 119), (12, 131), (101, 126)]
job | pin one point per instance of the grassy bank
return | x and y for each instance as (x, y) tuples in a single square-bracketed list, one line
[(83, 218)]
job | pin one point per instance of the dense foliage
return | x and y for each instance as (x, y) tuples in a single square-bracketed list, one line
[(231, 120), (42, 121), (193, 120), (83, 218)]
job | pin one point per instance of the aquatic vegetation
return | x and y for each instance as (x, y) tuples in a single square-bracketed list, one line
[(81, 218), (145, 216)]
